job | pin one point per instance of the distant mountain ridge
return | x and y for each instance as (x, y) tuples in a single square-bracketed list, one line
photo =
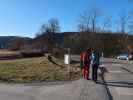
[(4, 40)]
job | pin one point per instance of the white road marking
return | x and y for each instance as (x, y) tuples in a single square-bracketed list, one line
[(106, 65), (124, 91), (115, 71), (116, 64)]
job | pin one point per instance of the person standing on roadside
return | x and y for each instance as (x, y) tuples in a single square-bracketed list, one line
[(95, 64), (82, 63), (86, 64)]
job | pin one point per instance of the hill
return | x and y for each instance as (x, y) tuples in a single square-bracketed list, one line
[(5, 40)]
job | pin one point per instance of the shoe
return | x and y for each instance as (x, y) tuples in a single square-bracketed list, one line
[(95, 81), (88, 79)]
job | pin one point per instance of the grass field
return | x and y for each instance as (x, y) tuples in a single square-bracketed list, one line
[(32, 70)]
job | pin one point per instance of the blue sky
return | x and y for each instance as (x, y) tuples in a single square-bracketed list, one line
[(24, 17)]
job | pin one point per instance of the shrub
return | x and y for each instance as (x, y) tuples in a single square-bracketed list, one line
[(31, 54)]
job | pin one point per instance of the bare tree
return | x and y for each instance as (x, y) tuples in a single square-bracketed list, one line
[(47, 35), (88, 26), (130, 22), (106, 23), (123, 26), (89, 20), (94, 15), (84, 23), (53, 25), (122, 23)]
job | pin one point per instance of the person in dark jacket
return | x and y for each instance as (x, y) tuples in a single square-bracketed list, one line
[(95, 64)]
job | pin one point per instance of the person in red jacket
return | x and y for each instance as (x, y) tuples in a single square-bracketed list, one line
[(82, 63), (86, 58)]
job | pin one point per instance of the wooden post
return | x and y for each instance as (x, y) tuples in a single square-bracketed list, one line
[(67, 61), (69, 67)]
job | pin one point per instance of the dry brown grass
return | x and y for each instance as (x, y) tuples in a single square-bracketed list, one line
[(31, 70), (36, 69), (4, 52)]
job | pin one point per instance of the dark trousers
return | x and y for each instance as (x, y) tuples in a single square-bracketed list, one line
[(94, 72)]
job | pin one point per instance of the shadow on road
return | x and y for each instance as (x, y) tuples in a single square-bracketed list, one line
[(127, 70), (117, 84), (103, 82)]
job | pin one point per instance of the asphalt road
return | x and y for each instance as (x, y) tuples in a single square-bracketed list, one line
[(119, 78), (76, 90), (118, 81)]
